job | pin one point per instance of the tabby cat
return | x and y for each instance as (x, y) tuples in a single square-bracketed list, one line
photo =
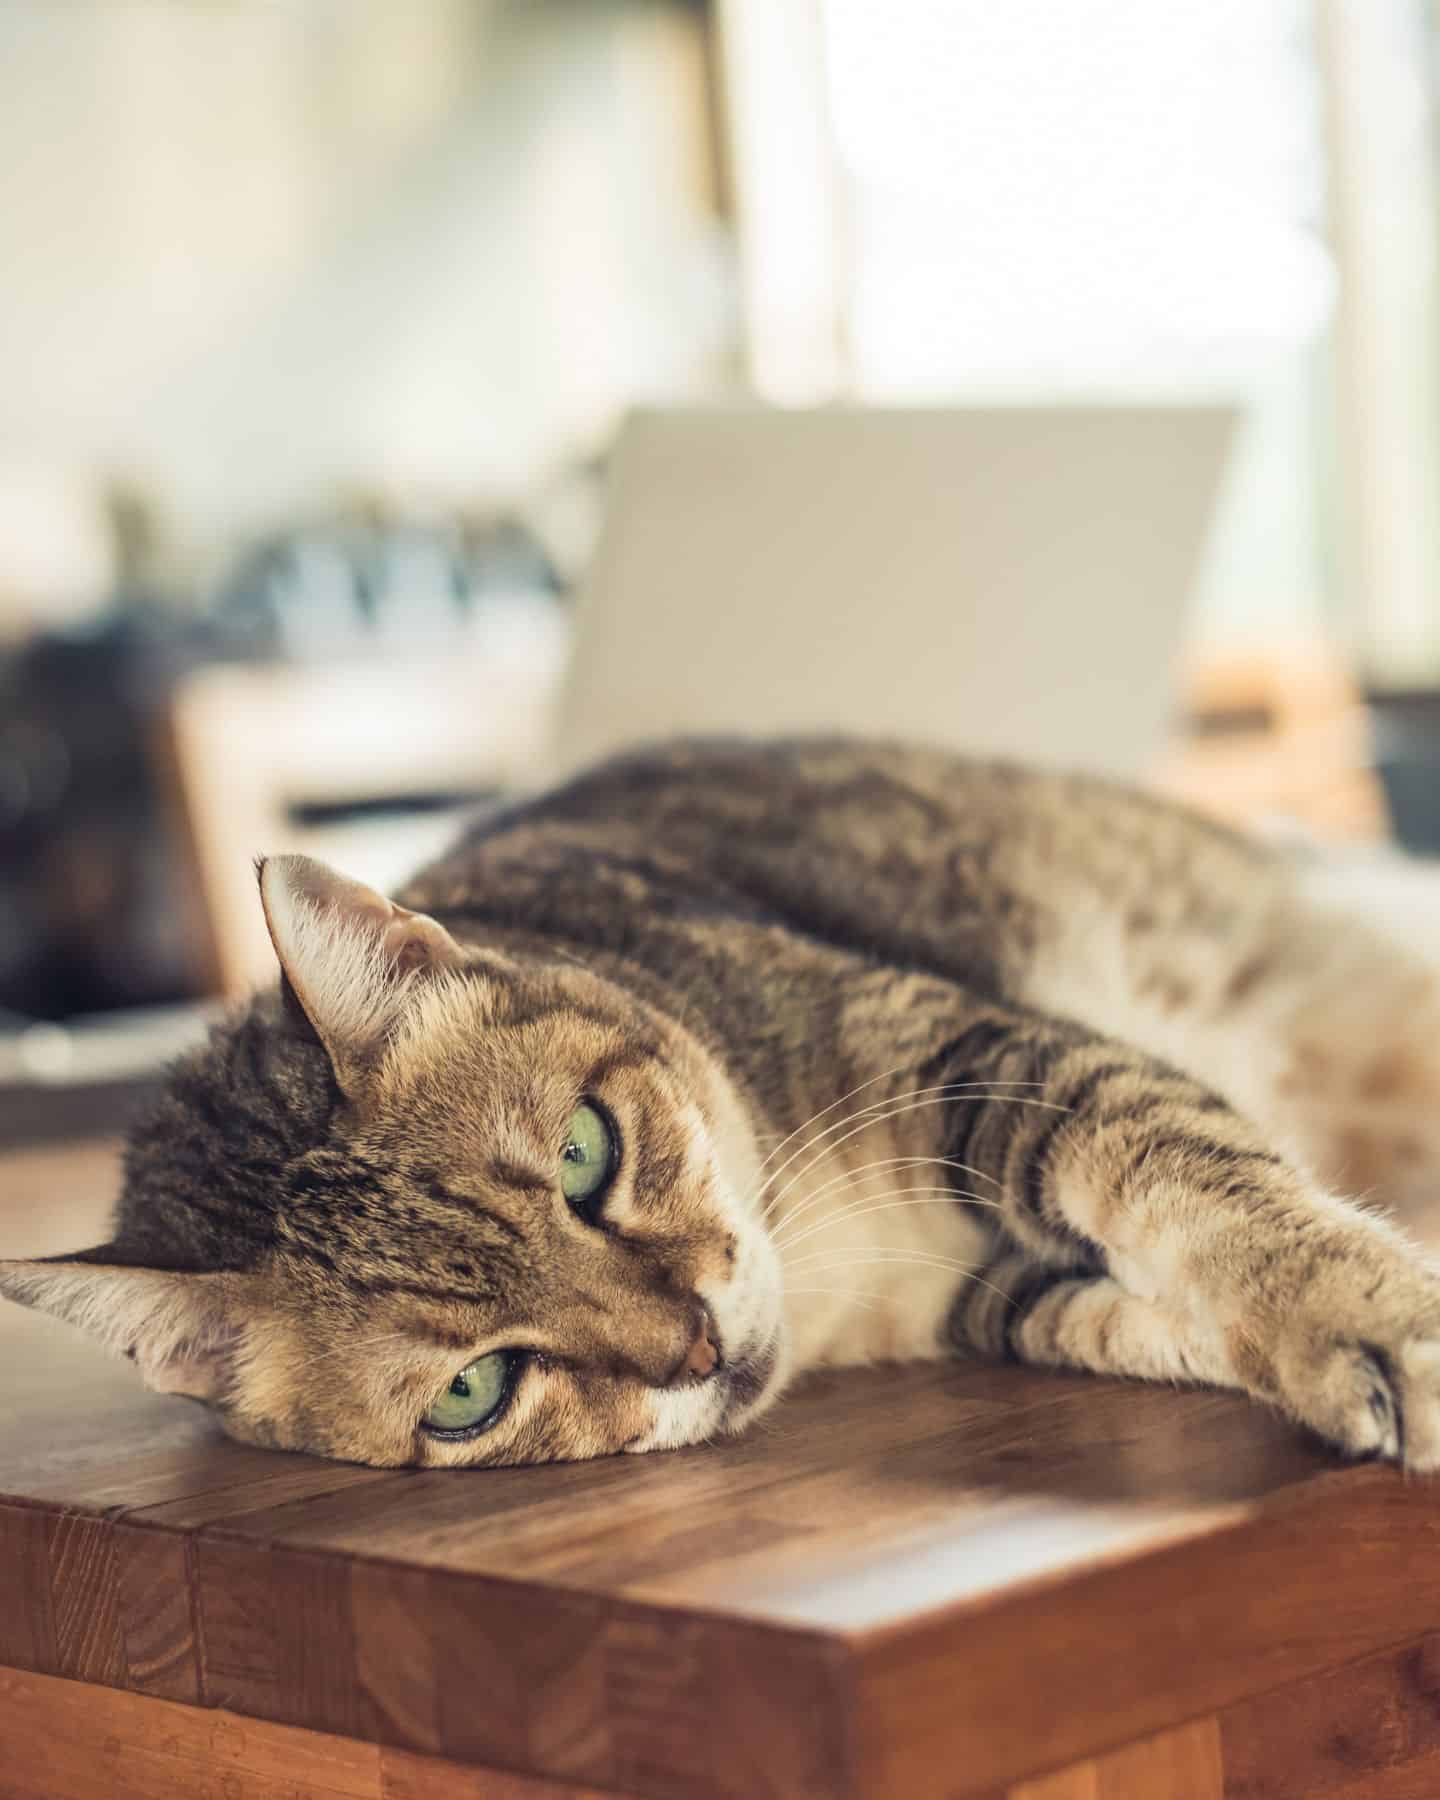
[(726, 1061)]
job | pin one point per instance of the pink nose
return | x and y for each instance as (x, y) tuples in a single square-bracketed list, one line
[(702, 1359)]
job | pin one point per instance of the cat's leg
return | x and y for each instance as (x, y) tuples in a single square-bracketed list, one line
[(1317, 1013), (1355, 1080), (1158, 1233)]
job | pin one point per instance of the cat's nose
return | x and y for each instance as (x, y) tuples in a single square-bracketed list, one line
[(702, 1359)]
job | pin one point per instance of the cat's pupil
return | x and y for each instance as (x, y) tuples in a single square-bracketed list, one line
[(574, 1152), (461, 1387)]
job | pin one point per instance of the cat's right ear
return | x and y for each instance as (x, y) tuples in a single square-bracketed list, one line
[(351, 957)]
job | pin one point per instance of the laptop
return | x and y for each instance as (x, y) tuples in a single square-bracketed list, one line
[(1010, 580)]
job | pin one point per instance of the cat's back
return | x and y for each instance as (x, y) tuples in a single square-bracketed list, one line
[(913, 854), (707, 792)]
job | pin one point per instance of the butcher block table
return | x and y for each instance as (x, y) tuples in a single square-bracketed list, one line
[(932, 1581)]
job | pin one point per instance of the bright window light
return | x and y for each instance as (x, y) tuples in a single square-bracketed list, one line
[(1108, 193)]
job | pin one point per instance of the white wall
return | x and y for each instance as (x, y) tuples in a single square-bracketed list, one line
[(253, 254)]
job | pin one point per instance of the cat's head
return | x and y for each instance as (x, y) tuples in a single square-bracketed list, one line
[(436, 1204)]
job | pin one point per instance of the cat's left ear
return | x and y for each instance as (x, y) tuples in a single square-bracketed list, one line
[(184, 1332), (352, 957)]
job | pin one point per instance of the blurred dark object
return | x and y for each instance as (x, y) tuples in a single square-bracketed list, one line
[(1406, 730), (354, 645), (93, 907)]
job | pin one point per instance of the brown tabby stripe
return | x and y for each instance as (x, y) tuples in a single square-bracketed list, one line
[(475, 1211), (970, 1056), (512, 1174), (1080, 1102), (1027, 1293), (1205, 1158)]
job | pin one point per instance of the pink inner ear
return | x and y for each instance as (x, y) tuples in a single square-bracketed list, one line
[(410, 952), (198, 1376), (327, 888), (415, 941), (410, 940), (199, 1366)]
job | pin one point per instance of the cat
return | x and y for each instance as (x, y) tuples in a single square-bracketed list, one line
[(726, 1061)]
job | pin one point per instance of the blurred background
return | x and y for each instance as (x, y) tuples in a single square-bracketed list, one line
[(319, 319)]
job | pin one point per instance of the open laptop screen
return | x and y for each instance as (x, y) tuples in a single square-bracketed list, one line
[(1010, 580)]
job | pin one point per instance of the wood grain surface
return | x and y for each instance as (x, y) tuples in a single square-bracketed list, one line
[(946, 1580)]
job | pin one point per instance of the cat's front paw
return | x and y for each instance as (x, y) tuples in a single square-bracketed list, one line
[(1358, 1359)]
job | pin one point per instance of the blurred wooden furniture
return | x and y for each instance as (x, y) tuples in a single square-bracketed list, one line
[(942, 1581), (250, 746), (1278, 738)]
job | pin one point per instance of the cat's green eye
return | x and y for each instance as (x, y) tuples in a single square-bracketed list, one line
[(475, 1397), (587, 1159)]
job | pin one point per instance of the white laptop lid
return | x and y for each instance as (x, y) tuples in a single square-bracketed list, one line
[(1011, 580)]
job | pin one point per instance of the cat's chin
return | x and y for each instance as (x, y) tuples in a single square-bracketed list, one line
[(754, 1382)]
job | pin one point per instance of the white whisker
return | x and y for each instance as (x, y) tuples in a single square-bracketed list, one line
[(910, 1105), (815, 1118), (866, 1299), (886, 1203), (848, 1177), (905, 1259), (945, 1087), (894, 1253)]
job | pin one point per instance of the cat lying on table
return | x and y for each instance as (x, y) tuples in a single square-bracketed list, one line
[(726, 1061)]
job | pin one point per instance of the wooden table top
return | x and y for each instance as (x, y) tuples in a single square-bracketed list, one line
[(933, 1580)]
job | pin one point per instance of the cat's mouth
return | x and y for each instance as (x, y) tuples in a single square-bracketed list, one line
[(748, 1377)]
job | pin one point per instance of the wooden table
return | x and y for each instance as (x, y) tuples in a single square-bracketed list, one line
[(937, 1581)]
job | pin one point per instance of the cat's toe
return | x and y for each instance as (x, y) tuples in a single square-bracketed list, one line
[(1372, 1399), (1353, 1352), (1383, 1401), (1415, 1377), (1347, 1393)]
